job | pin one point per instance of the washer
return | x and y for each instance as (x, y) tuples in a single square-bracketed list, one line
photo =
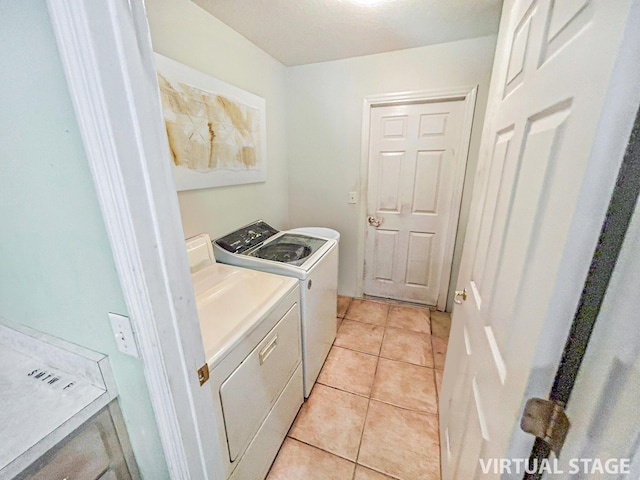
[(311, 259)]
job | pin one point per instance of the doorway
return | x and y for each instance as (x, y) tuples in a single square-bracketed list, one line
[(416, 155)]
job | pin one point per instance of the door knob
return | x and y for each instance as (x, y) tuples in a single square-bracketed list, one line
[(374, 221), (460, 293)]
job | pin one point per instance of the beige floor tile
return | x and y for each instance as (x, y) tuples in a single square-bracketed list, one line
[(392, 301), (409, 318), (363, 473), (349, 370), (440, 324), (367, 311), (407, 346), (338, 323), (439, 374), (401, 443), (439, 352), (359, 336), (297, 461), (331, 420), (343, 305), (405, 385)]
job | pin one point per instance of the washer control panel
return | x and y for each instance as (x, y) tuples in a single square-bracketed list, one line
[(246, 238)]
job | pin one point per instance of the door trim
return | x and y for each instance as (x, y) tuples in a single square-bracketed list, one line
[(120, 121), (466, 94)]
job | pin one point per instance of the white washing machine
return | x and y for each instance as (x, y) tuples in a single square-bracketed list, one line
[(311, 259)]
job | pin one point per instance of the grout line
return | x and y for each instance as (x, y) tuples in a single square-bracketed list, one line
[(405, 408), (409, 363), (386, 325), (321, 449), (373, 382), (364, 424), (357, 351), (340, 390), (352, 350)]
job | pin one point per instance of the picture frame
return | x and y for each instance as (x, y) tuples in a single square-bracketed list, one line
[(216, 131)]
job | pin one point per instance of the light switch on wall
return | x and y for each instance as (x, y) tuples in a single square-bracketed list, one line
[(353, 197), (123, 333)]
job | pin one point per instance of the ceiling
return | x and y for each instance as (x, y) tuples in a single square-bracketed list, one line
[(298, 32)]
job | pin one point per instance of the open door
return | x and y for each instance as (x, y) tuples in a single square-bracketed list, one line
[(542, 189), (106, 52)]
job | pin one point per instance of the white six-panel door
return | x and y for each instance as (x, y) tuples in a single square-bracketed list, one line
[(413, 162), (553, 65)]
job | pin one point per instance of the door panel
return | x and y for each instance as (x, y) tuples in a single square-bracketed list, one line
[(539, 151), (427, 183), (388, 186), (412, 177), (499, 188), (433, 124), (542, 118), (386, 241), (418, 258)]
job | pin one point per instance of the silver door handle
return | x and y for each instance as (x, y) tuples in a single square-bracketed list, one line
[(460, 293), (374, 221)]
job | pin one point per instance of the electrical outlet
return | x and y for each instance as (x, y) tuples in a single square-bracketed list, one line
[(353, 197), (123, 333)]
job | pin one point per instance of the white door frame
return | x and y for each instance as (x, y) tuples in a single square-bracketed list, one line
[(108, 61), (467, 94)]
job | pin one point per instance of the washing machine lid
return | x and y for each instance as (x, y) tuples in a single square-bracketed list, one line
[(290, 248)]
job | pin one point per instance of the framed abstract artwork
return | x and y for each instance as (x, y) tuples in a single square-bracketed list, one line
[(216, 131)]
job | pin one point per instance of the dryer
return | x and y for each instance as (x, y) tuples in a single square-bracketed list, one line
[(250, 327)]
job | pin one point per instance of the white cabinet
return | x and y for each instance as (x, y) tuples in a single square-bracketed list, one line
[(93, 451), (59, 416)]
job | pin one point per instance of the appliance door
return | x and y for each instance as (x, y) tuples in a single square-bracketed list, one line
[(251, 390), (290, 248), (319, 293)]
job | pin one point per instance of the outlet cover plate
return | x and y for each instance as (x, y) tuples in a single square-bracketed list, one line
[(123, 334)]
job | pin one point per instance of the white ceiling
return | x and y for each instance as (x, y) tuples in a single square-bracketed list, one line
[(297, 32)]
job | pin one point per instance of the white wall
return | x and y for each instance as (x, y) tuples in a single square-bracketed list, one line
[(57, 273), (183, 31), (313, 123), (324, 131)]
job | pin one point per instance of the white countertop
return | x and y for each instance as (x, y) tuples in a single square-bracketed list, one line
[(31, 408), (231, 302), (48, 389)]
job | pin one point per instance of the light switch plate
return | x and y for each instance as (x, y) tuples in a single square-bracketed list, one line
[(123, 333), (353, 197)]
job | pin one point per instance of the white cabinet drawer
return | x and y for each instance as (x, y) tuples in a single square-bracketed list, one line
[(248, 394)]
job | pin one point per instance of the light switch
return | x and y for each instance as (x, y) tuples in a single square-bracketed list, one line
[(353, 197), (123, 333)]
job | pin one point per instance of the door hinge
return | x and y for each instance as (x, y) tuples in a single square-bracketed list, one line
[(203, 374), (546, 420)]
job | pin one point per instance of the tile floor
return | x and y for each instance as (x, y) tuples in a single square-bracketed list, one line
[(373, 412)]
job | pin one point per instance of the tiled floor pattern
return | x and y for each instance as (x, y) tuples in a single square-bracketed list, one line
[(373, 412)]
